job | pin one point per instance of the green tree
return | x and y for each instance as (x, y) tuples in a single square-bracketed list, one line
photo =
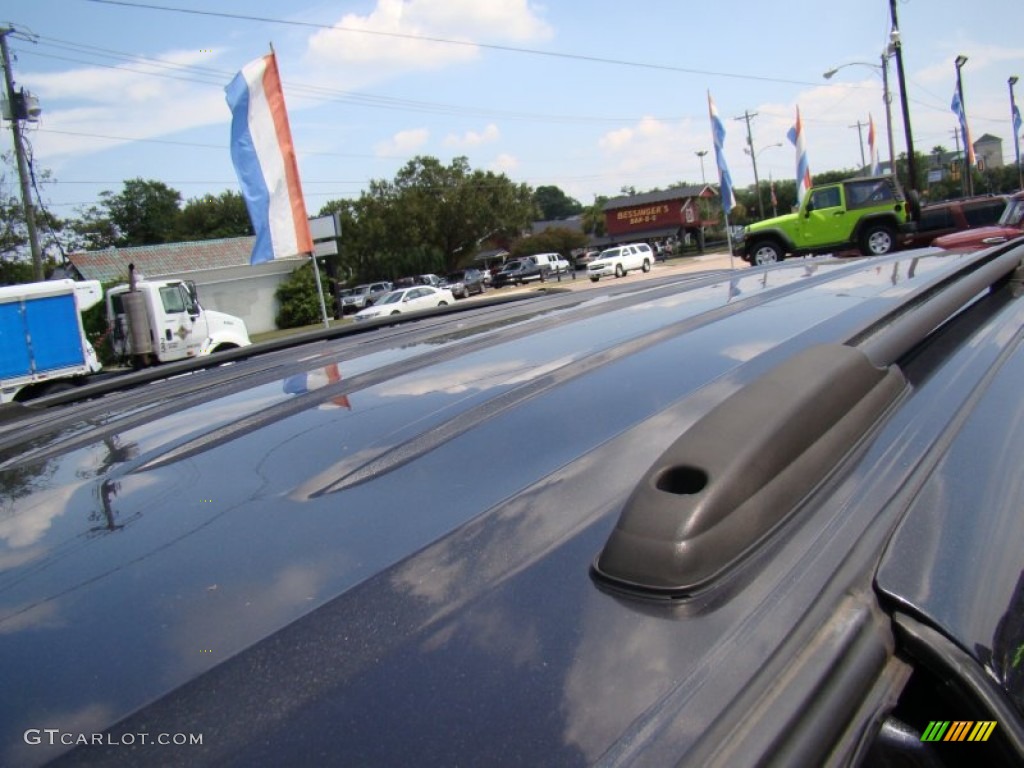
[(15, 251), (430, 218), (214, 216), (298, 300), (593, 217), (145, 212), (552, 203)]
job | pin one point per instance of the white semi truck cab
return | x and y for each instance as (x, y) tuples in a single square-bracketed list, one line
[(159, 321)]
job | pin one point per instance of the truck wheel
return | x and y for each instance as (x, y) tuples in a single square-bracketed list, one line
[(594, 279), (647, 265), (442, 303), (877, 240), (765, 252), (619, 271)]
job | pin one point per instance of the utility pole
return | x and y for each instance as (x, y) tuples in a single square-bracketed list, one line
[(897, 45), (961, 161), (753, 158), (19, 152), (860, 136)]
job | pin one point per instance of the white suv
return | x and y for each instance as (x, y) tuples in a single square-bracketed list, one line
[(620, 260)]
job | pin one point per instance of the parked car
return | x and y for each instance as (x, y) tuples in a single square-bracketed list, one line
[(950, 216), (764, 518), (621, 260), (428, 279), (550, 263), (464, 282), (407, 300), (517, 272), (1010, 226), (362, 296)]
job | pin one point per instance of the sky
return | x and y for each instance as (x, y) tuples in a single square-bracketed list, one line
[(592, 97)]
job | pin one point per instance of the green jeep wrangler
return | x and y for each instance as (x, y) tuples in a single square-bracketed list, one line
[(864, 213)]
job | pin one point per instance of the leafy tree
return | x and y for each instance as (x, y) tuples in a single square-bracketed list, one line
[(430, 218), (593, 217), (214, 216), (552, 203), (297, 296), (145, 212), (15, 252)]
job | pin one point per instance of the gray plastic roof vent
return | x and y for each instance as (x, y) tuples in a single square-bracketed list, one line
[(741, 470)]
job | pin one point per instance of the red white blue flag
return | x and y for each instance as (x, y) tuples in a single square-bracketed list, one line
[(264, 158), (958, 109), (876, 168), (718, 135), (803, 169)]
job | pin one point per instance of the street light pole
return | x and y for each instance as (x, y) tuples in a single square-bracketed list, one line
[(886, 97), (1014, 114), (701, 153), (968, 180)]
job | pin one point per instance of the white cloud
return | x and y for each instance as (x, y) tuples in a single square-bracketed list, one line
[(648, 148), (377, 42), (141, 100), (504, 163), (403, 142), (472, 138)]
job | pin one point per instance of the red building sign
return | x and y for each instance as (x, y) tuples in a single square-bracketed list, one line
[(661, 215)]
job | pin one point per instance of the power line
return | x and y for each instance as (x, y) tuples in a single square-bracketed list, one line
[(447, 41)]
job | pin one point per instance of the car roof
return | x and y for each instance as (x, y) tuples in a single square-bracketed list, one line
[(266, 550)]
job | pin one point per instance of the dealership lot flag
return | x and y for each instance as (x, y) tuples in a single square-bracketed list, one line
[(876, 168), (725, 180), (958, 109), (264, 158), (803, 169)]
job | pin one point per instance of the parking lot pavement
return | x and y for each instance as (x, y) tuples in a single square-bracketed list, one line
[(687, 264)]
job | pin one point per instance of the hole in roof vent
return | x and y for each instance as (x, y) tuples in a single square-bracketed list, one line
[(682, 481)]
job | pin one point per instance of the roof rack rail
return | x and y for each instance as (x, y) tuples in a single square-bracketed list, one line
[(739, 471), (725, 484)]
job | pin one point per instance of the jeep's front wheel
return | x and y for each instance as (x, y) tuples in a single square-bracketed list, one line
[(765, 252), (877, 240)]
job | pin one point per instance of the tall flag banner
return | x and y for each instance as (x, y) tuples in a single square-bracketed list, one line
[(958, 109), (724, 179), (803, 169), (876, 167), (1016, 131), (264, 158)]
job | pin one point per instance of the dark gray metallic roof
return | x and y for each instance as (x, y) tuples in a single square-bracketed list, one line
[(395, 568)]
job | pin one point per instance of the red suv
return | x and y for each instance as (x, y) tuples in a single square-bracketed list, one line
[(950, 216), (1010, 225)]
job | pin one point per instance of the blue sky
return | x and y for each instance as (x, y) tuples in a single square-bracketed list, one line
[(589, 96)]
